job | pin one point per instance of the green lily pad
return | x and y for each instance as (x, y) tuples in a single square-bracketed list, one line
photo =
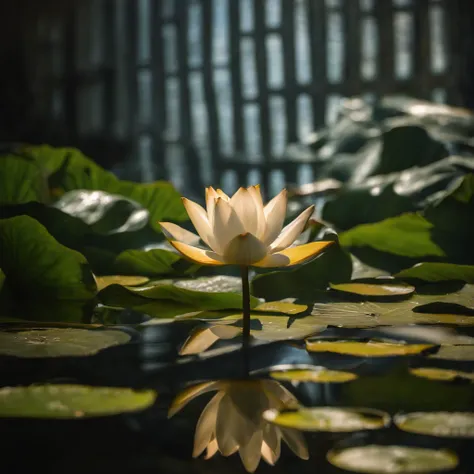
[(401, 313), (35, 264), (198, 293), (124, 280), (366, 349), (455, 352), (380, 459), (429, 271), (445, 424), (329, 419), (104, 212), (21, 181), (316, 375), (59, 342), (71, 401), (445, 375), (383, 287)]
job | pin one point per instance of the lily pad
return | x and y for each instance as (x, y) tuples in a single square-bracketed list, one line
[(384, 287), (445, 375), (316, 375), (124, 280), (329, 419), (71, 401), (455, 352), (445, 424), (366, 349), (430, 271), (59, 342), (379, 459), (401, 313), (202, 294), (35, 264)]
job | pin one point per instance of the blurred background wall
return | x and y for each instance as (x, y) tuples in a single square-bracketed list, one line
[(212, 91)]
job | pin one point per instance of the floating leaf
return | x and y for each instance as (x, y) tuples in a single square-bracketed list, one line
[(281, 307), (429, 271), (366, 349), (59, 342), (329, 419), (124, 280), (379, 459), (200, 294), (445, 424), (372, 314), (447, 375), (315, 374), (35, 264), (71, 401), (455, 352), (382, 287)]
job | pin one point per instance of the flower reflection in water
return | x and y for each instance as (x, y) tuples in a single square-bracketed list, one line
[(232, 421)]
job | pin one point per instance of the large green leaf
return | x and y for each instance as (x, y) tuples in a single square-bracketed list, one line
[(21, 180), (407, 235), (152, 263), (35, 264), (160, 198), (382, 196), (71, 401), (204, 297), (70, 169), (430, 271), (110, 237), (441, 233), (104, 212), (407, 146)]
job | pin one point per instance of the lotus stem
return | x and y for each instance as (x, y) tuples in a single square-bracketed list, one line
[(244, 272)]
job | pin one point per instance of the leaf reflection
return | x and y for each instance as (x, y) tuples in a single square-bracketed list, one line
[(232, 421)]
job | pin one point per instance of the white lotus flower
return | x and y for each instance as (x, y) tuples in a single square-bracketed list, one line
[(232, 421), (242, 231)]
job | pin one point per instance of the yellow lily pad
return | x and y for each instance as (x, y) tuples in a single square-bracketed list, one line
[(124, 280), (455, 352), (329, 419), (444, 424), (447, 375), (281, 307), (316, 374), (384, 288), (378, 459), (71, 401), (59, 342), (366, 349)]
